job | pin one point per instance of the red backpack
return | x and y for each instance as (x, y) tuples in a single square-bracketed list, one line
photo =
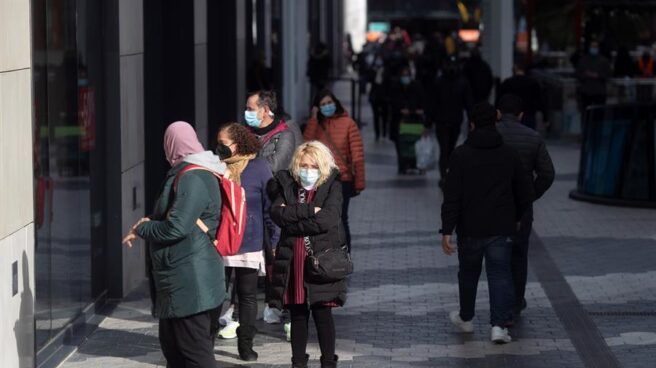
[(230, 232)]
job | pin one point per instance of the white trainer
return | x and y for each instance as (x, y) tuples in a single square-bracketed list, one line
[(462, 326), (229, 331), (500, 335)]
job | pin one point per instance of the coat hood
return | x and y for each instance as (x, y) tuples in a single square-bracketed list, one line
[(208, 160), (485, 138)]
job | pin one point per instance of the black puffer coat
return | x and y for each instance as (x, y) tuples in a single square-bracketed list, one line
[(295, 220)]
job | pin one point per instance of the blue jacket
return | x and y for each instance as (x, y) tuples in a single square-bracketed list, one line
[(254, 180)]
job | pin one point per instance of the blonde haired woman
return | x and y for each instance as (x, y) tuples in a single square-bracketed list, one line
[(307, 205)]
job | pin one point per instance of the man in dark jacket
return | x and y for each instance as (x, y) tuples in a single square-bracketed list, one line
[(448, 99), (485, 195), (539, 169), (479, 74)]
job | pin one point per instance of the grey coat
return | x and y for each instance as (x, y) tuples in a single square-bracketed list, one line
[(279, 149), (532, 151)]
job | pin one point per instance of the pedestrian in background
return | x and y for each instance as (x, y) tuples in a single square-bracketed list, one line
[(485, 196), (592, 71), (479, 74), (530, 91), (539, 169), (330, 124), (448, 99), (307, 205), (186, 273), (252, 174)]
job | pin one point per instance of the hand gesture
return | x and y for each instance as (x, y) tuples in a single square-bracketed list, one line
[(132, 234), (315, 112)]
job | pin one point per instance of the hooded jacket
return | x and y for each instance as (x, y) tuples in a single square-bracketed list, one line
[(340, 133), (486, 190), (186, 271), (295, 219)]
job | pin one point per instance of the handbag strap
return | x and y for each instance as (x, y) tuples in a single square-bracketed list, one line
[(333, 147)]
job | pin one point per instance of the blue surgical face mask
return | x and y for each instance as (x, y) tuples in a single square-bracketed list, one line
[(405, 80), (309, 177), (251, 119), (594, 51), (328, 110)]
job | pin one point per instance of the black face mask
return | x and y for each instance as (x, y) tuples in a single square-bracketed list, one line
[(223, 151)]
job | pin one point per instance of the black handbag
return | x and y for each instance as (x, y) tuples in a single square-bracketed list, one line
[(330, 265)]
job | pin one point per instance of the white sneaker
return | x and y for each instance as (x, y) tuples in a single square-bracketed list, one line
[(271, 315), (288, 330), (227, 316), (500, 335), (462, 326), (229, 331)]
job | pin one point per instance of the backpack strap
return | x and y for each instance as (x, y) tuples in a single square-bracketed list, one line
[(199, 222)]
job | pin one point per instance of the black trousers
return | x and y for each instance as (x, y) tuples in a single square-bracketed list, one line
[(246, 290), (381, 114), (447, 137), (323, 321), (348, 191), (519, 260), (188, 342)]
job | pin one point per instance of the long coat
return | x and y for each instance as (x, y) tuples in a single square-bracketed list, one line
[(298, 219), (187, 273)]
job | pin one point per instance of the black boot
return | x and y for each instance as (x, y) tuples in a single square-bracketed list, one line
[(300, 362), (329, 362), (245, 335)]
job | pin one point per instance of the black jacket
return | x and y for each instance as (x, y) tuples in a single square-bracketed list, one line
[(532, 151), (295, 220), (480, 78), (486, 190), (448, 99)]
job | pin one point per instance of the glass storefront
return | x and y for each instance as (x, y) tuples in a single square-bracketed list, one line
[(69, 160)]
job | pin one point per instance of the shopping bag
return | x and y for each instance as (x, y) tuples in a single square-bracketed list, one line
[(425, 151)]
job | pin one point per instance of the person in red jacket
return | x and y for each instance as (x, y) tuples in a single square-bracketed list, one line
[(330, 124)]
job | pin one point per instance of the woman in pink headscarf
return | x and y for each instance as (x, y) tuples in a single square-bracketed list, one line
[(186, 272)]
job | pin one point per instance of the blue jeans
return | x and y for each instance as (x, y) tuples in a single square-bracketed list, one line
[(497, 252)]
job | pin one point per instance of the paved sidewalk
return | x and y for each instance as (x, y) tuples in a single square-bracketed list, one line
[(404, 287)]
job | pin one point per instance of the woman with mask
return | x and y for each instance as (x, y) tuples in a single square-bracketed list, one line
[(253, 175), (186, 272), (307, 204), (330, 124)]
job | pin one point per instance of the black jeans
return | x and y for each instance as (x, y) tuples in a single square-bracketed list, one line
[(323, 321), (497, 252), (519, 262), (447, 137), (188, 342), (348, 191), (246, 287)]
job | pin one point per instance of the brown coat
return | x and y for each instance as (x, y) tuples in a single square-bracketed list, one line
[(343, 135)]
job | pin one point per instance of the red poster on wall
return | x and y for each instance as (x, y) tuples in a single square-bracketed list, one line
[(87, 118)]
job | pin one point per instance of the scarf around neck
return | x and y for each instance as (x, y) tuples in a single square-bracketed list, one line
[(236, 165)]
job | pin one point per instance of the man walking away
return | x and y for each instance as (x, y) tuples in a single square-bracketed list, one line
[(479, 74), (539, 169), (485, 195)]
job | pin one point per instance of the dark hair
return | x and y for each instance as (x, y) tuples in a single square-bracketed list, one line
[(265, 98), (483, 115), (247, 143), (510, 104), (320, 96)]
